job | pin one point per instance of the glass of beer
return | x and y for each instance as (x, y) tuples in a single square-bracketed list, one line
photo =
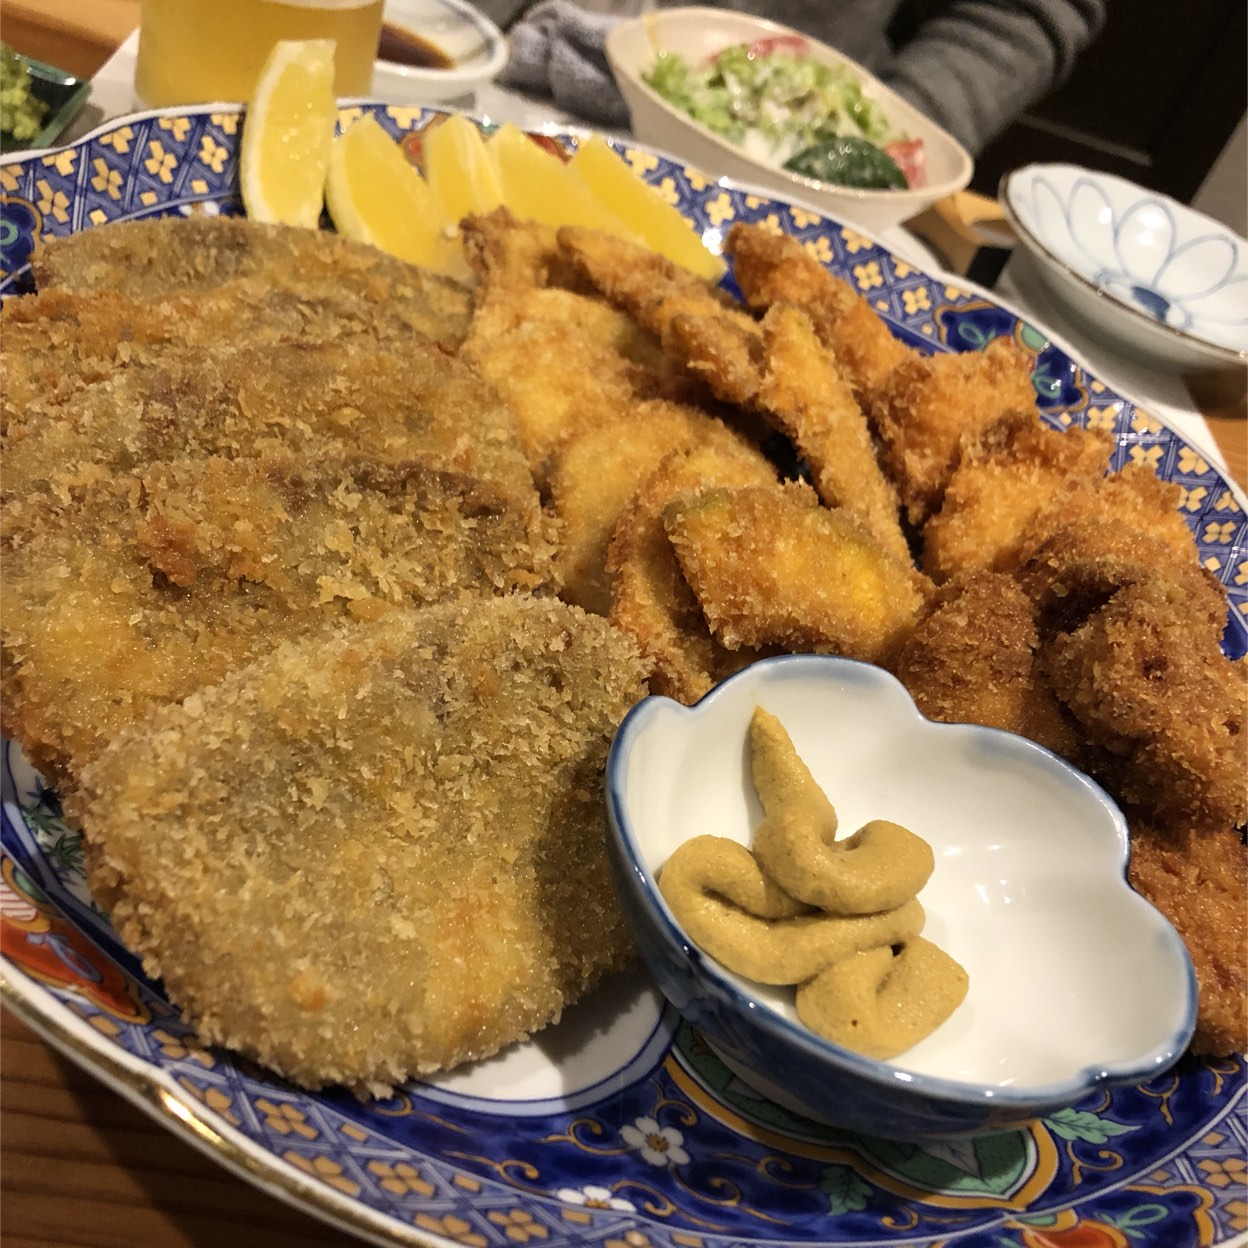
[(197, 51)]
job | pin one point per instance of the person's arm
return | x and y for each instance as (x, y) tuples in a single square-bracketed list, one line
[(975, 66)]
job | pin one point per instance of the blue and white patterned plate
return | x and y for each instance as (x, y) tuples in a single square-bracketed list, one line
[(618, 1128)]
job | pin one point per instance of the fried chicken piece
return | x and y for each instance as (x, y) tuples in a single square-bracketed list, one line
[(793, 381), (973, 660), (1015, 470), (145, 588), (412, 876), (650, 598), (649, 287), (595, 475), (772, 567), (773, 268), (929, 404), (1149, 683), (197, 256), (1199, 882), (237, 401)]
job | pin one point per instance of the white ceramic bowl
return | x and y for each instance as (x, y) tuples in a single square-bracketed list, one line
[(473, 43), (698, 33), (1075, 980), (1166, 283)]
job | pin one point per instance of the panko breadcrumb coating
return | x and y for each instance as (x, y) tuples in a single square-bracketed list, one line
[(770, 566), (382, 856), (144, 588), (197, 256), (1199, 883), (973, 660)]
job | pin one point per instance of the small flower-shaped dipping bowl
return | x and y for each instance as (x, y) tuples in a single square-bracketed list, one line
[(1076, 982), (1163, 281)]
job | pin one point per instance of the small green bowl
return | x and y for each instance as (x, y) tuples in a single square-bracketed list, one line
[(61, 92)]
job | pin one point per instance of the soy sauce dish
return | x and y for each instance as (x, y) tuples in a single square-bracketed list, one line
[(435, 50), (1076, 982)]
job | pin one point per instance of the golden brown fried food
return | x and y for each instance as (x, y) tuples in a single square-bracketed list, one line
[(773, 268), (382, 856), (771, 567), (929, 404), (788, 376), (1199, 883), (649, 287), (1149, 683), (973, 660), (165, 257), (1082, 564), (145, 588), (237, 401), (1013, 471), (651, 601), (596, 473)]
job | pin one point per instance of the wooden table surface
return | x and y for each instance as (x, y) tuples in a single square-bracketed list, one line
[(80, 1165)]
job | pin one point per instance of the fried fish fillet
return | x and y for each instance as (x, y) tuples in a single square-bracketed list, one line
[(201, 257), (315, 399), (145, 587), (929, 403), (382, 856), (650, 598), (974, 659), (787, 375), (772, 567), (773, 268)]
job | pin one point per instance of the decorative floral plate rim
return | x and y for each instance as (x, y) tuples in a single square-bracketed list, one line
[(674, 1153)]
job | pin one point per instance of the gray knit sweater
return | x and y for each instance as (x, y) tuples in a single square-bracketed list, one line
[(973, 66)]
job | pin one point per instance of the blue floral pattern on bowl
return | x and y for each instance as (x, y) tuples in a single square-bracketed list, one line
[(667, 1149), (1151, 255)]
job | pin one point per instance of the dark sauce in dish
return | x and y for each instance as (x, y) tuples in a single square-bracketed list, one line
[(405, 48)]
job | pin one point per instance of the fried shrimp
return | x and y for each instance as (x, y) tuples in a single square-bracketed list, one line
[(769, 566), (378, 857), (144, 588)]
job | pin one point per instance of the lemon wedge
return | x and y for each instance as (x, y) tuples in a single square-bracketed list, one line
[(288, 134), (459, 170), (538, 186), (376, 196), (642, 209)]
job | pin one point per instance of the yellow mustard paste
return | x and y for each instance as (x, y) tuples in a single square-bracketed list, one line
[(839, 918)]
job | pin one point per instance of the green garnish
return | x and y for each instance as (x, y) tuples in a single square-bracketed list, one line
[(848, 161), (21, 113)]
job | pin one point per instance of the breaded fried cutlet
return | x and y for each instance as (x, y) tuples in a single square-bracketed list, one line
[(973, 659), (770, 566), (1013, 471), (1199, 883), (143, 588), (787, 375), (311, 399), (650, 598), (929, 404), (1149, 683), (596, 473), (380, 857), (773, 268), (197, 256)]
